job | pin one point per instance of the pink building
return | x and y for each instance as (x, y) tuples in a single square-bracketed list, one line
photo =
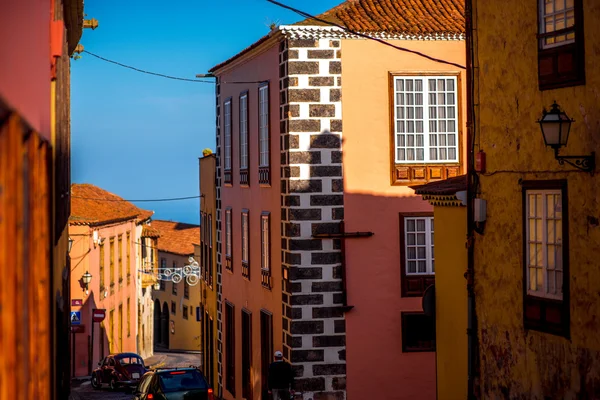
[(327, 157), (113, 242)]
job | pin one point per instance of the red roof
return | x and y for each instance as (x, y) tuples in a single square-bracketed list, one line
[(91, 205), (177, 237), (411, 17), (447, 187)]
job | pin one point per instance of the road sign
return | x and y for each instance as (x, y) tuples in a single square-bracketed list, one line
[(75, 317), (98, 315), (77, 328), (76, 302)]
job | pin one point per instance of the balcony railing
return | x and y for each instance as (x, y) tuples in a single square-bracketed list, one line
[(149, 276), (266, 277), (264, 175), (244, 177), (228, 263), (245, 269)]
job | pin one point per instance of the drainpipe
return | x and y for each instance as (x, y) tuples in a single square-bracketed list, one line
[(471, 187)]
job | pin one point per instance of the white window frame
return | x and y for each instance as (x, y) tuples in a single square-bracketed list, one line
[(569, 37), (429, 246), (263, 126), (227, 135), (244, 157), (209, 231), (426, 119), (543, 242), (245, 237), (228, 232), (265, 236)]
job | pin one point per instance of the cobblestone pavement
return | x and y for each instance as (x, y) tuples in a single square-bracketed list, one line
[(85, 391)]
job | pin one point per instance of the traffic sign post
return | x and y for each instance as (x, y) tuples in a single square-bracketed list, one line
[(98, 315)]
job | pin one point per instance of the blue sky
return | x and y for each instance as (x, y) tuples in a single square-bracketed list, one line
[(140, 136)]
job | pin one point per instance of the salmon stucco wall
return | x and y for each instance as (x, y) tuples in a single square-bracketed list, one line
[(519, 363), (371, 203), (243, 293), (451, 301)]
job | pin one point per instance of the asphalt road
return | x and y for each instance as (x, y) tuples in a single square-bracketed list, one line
[(84, 390)]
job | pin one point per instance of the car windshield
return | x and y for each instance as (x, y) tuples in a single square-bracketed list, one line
[(177, 381), (130, 360)]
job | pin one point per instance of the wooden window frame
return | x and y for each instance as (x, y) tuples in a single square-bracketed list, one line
[(120, 258), (247, 381), (230, 347), (111, 249), (405, 316), (228, 239), (173, 308), (266, 345), (174, 287), (128, 255), (264, 170), (128, 317), (228, 170), (245, 248), (265, 250), (412, 285), (184, 312), (210, 250), (411, 173), (552, 59), (540, 313), (101, 266), (244, 172)]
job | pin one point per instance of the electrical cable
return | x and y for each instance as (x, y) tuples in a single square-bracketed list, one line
[(138, 201), (164, 75), (307, 15)]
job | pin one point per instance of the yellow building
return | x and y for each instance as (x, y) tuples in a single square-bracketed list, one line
[(208, 254), (450, 215), (176, 318), (537, 211)]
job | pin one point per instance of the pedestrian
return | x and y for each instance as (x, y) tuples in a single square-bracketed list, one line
[(281, 378)]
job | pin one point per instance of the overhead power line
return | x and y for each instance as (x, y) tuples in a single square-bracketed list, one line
[(307, 15), (138, 201), (164, 75)]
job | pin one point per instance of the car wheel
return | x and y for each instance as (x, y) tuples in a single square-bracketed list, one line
[(95, 382), (113, 384)]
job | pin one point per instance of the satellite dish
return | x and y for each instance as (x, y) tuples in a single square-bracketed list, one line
[(428, 301)]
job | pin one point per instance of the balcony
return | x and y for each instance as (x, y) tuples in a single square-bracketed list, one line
[(149, 275), (245, 269), (265, 277)]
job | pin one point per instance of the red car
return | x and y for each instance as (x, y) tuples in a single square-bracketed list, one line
[(123, 370)]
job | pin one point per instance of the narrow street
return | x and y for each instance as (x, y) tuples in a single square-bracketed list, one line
[(83, 390)]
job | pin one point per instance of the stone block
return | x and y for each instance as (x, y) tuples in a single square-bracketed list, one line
[(335, 95), (305, 157), (321, 110), (306, 244), (304, 95), (306, 299), (321, 81), (320, 54), (304, 125), (327, 312), (325, 141), (327, 200), (308, 328), (306, 186), (329, 369), (303, 67), (300, 273), (326, 170), (326, 258)]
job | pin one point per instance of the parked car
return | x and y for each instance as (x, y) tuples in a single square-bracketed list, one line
[(122, 370), (174, 384)]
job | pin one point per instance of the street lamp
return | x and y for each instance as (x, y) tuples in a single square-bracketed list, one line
[(556, 126), (70, 244), (86, 279)]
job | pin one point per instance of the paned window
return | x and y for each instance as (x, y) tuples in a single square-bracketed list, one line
[(425, 117), (227, 140), (174, 290), (416, 253), (264, 174), (245, 245), (102, 255), (265, 244), (228, 263), (210, 252), (418, 332), (230, 348), (546, 257), (244, 139), (561, 49)]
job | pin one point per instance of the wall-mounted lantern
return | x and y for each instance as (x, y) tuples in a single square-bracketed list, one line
[(70, 244), (86, 279), (556, 126)]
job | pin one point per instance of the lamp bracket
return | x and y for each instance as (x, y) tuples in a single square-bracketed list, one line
[(583, 163)]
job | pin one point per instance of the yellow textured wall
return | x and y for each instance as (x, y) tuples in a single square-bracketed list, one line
[(451, 301), (516, 363)]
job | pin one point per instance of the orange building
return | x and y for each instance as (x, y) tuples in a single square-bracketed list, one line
[(112, 242), (38, 38), (177, 302), (314, 165)]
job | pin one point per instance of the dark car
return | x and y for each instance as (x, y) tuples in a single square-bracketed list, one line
[(123, 370), (174, 384)]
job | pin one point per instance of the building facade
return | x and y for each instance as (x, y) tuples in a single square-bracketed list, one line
[(210, 286), (177, 302), (339, 100), (34, 137), (106, 233), (535, 256)]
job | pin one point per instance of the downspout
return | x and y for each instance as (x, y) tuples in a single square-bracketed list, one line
[(471, 187)]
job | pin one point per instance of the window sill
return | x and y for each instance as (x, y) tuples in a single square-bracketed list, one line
[(410, 174)]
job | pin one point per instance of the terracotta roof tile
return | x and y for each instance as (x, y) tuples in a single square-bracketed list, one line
[(413, 17), (149, 231), (91, 205), (447, 187), (177, 237)]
